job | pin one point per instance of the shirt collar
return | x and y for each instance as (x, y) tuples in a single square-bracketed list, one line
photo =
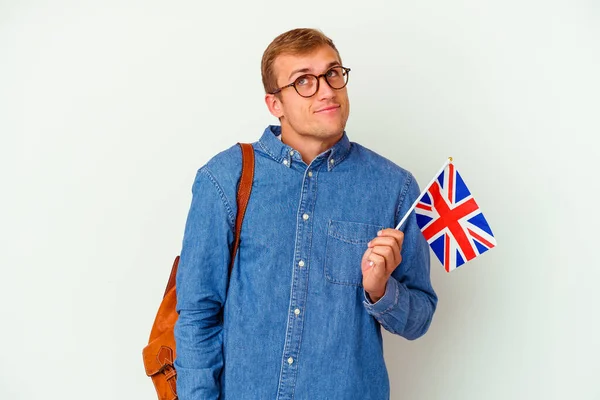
[(272, 144)]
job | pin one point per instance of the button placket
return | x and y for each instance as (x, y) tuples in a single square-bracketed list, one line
[(295, 325)]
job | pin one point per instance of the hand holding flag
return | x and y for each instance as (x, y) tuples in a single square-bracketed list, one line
[(379, 261)]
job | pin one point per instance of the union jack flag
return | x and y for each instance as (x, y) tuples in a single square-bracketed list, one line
[(451, 220)]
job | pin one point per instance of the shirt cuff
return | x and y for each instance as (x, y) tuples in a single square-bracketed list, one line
[(387, 302)]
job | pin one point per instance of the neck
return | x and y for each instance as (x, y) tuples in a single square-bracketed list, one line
[(309, 147)]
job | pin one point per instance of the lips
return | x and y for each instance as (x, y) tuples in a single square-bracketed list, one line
[(328, 109)]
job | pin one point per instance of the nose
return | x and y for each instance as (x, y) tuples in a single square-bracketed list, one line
[(325, 91)]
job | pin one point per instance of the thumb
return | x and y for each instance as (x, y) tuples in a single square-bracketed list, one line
[(365, 264)]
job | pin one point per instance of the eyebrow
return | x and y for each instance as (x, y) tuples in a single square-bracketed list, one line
[(294, 72)]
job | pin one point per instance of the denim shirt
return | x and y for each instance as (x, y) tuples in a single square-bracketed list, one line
[(293, 321)]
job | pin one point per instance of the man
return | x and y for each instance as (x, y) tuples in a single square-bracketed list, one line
[(318, 271)]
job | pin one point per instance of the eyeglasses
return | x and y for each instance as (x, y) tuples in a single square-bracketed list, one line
[(308, 84)]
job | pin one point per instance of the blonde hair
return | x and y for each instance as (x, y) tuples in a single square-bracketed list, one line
[(295, 42)]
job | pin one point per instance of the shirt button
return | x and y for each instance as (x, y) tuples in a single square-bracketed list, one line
[(285, 162), (297, 311), (290, 360), (301, 263), (292, 153), (331, 161), (305, 217), (310, 173)]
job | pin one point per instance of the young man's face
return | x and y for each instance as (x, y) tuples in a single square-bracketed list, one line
[(322, 116)]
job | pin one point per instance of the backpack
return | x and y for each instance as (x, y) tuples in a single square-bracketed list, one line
[(160, 352)]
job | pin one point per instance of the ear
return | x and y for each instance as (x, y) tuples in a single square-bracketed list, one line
[(274, 105)]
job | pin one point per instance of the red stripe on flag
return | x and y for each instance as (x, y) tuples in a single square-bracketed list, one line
[(449, 219), (447, 253), (479, 238), (424, 207)]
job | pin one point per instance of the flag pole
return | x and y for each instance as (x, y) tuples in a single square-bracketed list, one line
[(448, 161)]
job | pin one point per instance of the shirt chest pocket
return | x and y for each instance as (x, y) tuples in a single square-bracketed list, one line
[(346, 244)]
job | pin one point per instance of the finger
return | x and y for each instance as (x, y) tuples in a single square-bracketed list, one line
[(383, 241), (365, 260), (390, 242), (378, 265), (390, 253), (396, 234)]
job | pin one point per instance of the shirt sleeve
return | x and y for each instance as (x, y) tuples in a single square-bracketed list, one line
[(407, 307), (201, 284)]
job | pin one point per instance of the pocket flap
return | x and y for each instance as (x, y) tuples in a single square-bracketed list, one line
[(353, 232)]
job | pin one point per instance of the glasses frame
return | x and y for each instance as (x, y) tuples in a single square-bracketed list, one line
[(318, 77)]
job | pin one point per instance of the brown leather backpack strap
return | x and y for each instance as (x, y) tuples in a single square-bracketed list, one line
[(172, 277), (243, 194)]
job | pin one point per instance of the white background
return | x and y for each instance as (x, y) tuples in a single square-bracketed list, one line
[(107, 109)]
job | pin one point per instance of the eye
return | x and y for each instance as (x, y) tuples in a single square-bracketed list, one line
[(302, 80), (333, 72)]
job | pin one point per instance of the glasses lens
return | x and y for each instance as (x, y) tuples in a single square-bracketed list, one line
[(337, 77), (306, 85)]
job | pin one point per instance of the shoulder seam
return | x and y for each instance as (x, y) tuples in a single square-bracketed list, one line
[(221, 193), (409, 180)]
